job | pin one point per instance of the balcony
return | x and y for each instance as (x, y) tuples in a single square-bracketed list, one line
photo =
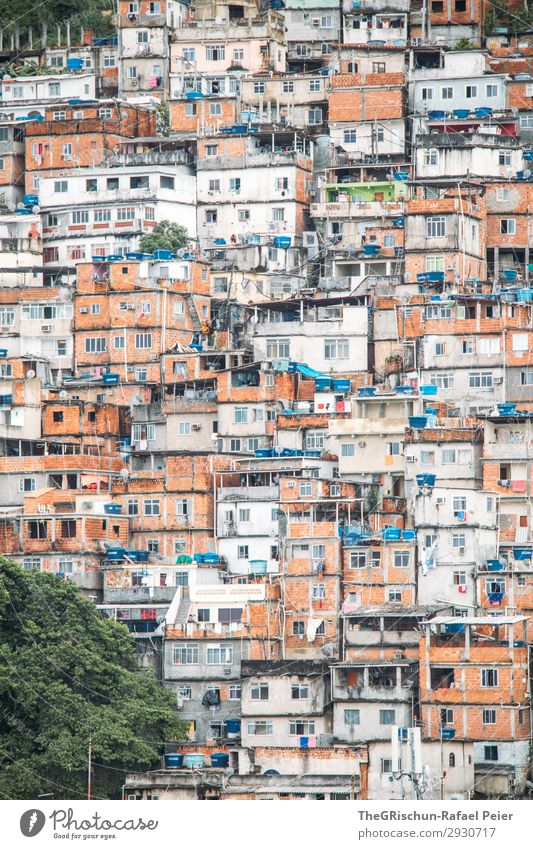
[(357, 209)]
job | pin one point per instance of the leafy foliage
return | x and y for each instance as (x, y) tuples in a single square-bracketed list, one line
[(166, 235), (68, 676)]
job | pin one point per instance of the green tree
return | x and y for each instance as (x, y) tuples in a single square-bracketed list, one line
[(165, 235), (68, 676), (464, 44)]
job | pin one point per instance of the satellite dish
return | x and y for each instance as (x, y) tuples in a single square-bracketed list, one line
[(12, 207), (30, 373), (20, 205), (36, 209), (63, 394), (124, 474)]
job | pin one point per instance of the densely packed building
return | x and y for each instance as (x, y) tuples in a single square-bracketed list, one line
[(301, 474)]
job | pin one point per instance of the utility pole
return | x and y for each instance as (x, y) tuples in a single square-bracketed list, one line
[(89, 765)]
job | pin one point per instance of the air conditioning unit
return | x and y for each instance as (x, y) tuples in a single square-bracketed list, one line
[(134, 83), (46, 328), (497, 381), (67, 157), (195, 427), (462, 550), (131, 307), (87, 505), (290, 485), (84, 310), (410, 459), (504, 483), (361, 444), (441, 499), (315, 22)]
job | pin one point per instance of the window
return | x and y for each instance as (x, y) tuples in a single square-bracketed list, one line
[(434, 263), (394, 596), (318, 591), (526, 378), (215, 52), (491, 753), (68, 528), (143, 340), (95, 345), (492, 90), (449, 455), (235, 444), (7, 316), (184, 693), (182, 507), (480, 380), (278, 349), (133, 506), (306, 489), (60, 186), (314, 85), (38, 529), (54, 89), (402, 559), (259, 88), (350, 136), (446, 92), (431, 156), (288, 87), (520, 342), (470, 91), (218, 655), (242, 552), (235, 184), (298, 629), (489, 716), (508, 226), (459, 579), (386, 766), (314, 116), (260, 728), (459, 541), (299, 727), (244, 214), (188, 54), (27, 485), (427, 93), (31, 563), (504, 157), (234, 692), (489, 678), (109, 61), (299, 691), (336, 349), (394, 449), (152, 507), (435, 227), (443, 379), (387, 717), (352, 717), (348, 449), (102, 215), (184, 428), (143, 432), (125, 213), (240, 415), (215, 109), (278, 214), (186, 654), (211, 216), (131, 72), (259, 692)]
